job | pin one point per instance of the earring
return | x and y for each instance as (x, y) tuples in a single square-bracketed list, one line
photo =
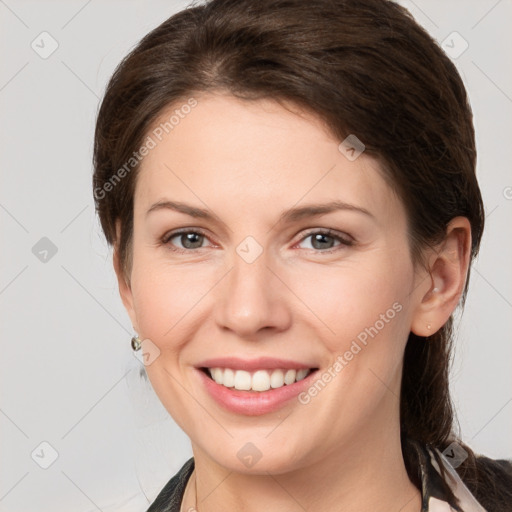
[(136, 343), (429, 327), (435, 290)]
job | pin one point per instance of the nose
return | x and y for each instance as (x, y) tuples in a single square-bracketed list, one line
[(252, 298)]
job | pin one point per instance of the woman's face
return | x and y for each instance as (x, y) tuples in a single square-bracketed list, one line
[(255, 186)]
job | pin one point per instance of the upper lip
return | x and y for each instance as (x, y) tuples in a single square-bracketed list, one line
[(259, 363)]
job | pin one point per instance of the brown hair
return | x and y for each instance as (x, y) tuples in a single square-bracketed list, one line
[(365, 67)]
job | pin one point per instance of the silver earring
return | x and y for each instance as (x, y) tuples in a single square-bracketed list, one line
[(136, 343)]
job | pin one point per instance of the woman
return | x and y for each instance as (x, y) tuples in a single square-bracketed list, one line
[(290, 191)]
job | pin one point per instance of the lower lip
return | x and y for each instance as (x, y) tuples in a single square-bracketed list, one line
[(254, 403)]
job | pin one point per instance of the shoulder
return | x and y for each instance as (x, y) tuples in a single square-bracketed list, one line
[(169, 498)]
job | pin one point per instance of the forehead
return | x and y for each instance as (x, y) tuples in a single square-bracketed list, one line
[(255, 152)]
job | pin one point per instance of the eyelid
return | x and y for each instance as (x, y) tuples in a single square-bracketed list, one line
[(344, 238), (180, 231), (329, 231), (165, 239)]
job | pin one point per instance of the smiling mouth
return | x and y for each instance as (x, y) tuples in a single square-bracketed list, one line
[(258, 380)]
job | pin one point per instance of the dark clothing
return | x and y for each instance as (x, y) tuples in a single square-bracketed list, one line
[(433, 488)]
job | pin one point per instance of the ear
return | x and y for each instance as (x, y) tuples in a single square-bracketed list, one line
[(448, 267), (123, 282)]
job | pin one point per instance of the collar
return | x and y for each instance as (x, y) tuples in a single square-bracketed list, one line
[(442, 494), (448, 494)]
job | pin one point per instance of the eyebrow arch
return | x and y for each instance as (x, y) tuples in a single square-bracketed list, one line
[(287, 216), (312, 210), (182, 208)]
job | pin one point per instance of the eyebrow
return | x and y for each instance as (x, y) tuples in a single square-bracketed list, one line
[(291, 215)]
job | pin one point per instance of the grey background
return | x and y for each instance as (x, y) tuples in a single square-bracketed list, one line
[(68, 376)]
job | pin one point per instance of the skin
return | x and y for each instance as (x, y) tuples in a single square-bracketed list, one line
[(246, 163)]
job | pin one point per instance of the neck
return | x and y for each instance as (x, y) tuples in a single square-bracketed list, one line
[(367, 474)]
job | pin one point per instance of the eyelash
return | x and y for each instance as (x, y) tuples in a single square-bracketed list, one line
[(344, 242)]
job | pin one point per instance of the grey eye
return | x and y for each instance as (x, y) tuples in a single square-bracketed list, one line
[(189, 240), (322, 241)]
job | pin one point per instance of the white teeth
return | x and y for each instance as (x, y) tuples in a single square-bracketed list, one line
[(289, 377), (301, 374), (228, 379), (277, 379), (217, 375), (242, 380), (260, 380)]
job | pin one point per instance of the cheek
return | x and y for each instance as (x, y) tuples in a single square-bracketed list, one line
[(360, 301), (365, 318), (344, 302), (168, 308), (170, 300)]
